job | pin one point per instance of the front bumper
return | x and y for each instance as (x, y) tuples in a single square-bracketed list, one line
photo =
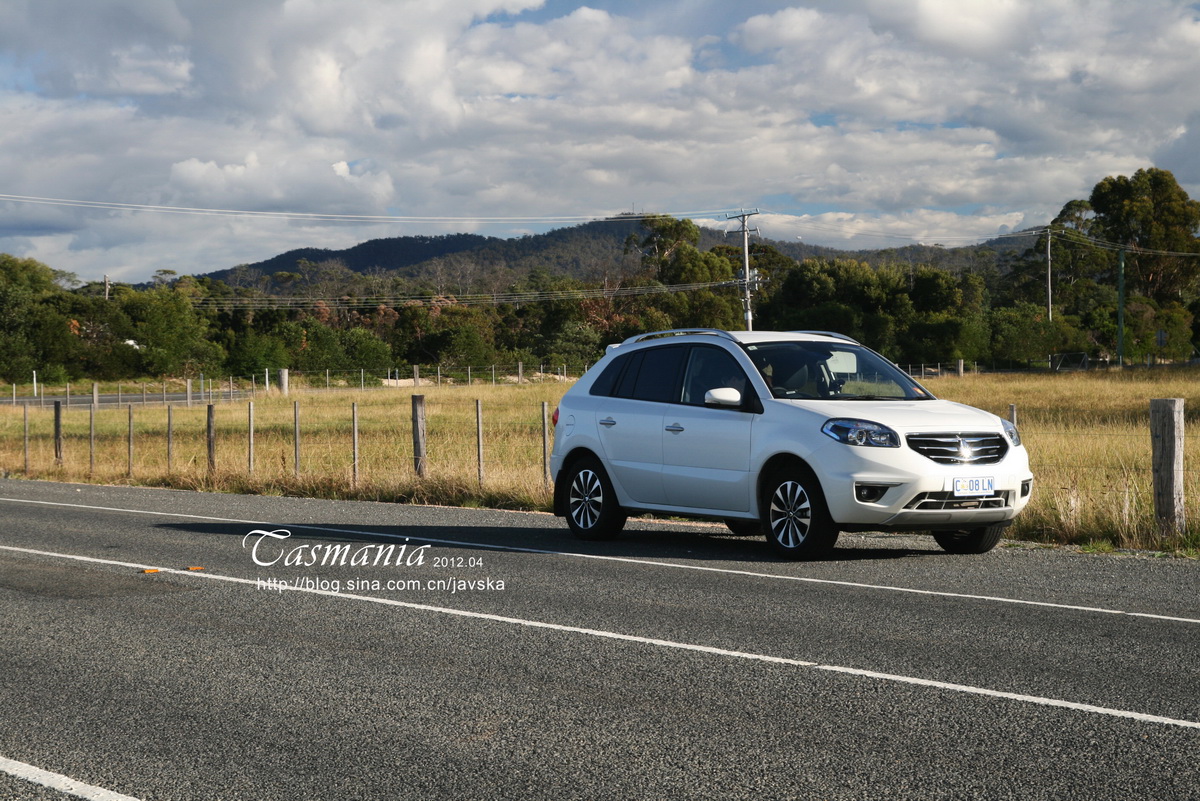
[(899, 489)]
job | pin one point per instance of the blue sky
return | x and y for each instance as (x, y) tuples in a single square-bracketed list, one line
[(850, 123)]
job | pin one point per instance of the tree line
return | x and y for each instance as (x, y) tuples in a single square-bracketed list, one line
[(1142, 229)]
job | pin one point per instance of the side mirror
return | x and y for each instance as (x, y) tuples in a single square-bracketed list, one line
[(722, 396)]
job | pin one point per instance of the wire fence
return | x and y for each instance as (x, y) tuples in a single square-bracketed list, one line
[(204, 389), (490, 446)]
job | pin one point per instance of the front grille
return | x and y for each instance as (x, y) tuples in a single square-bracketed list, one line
[(968, 449), (947, 501)]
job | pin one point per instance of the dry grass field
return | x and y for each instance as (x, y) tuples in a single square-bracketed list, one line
[(1088, 435)]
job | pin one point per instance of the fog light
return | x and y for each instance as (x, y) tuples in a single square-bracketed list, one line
[(871, 493), (1026, 487)]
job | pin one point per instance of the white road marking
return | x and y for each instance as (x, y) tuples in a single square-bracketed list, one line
[(629, 560), (56, 781), (612, 635)]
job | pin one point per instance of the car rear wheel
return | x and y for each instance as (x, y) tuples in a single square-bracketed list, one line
[(592, 510), (797, 523), (976, 540)]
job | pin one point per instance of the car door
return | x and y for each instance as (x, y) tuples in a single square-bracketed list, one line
[(630, 421), (706, 448)]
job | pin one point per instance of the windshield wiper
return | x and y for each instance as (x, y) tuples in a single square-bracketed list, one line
[(876, 397)]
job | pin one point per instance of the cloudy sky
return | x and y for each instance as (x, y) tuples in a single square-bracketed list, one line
[(851, 123)]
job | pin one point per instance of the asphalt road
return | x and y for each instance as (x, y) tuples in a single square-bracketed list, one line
[(512, 662)]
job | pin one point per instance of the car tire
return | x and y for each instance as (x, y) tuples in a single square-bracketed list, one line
[(592, 510), (743, 528), (976, 540), (795, 520)]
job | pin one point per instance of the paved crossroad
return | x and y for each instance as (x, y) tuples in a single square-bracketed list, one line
[(506, 660)]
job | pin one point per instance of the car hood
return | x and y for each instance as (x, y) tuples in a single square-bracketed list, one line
[(907, 416)]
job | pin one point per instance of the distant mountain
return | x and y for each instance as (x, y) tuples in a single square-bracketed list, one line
[(585, 251), (398, 253)]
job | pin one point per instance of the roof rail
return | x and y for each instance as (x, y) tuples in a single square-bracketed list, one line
[(680, 332), (833, 334)]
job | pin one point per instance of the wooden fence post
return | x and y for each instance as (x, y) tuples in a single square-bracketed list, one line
[(129, 468), (250, 437), (170, 437), (1012, 413), (58, 434), (479, 437), (296, 433), (91, 440), (545, 443), (418, 433), (211, 438), (354, 429), (1166, 440)]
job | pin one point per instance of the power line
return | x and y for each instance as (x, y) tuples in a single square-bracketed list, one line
[(916, 240), (1078, 235), (1115, 246), (354, 218), (545, 219)]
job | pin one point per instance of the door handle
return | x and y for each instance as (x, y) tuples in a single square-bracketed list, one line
[(608, 422), (675, 427)]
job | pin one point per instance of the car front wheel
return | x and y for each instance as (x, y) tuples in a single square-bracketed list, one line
[(797, 524), (592, 510), (976, 540)]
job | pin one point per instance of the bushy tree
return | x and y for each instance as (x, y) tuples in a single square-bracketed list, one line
[(171, 336), (1151, 212)]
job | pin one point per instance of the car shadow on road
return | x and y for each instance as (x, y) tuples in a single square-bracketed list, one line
[(640, 540)]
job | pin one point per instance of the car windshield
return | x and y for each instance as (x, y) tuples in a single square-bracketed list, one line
[(831, 371)]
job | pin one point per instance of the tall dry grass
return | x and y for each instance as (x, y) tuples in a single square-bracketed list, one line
[(1088, 436), (512, 446)]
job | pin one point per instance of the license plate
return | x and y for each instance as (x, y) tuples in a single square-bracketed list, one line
[(979, 485)]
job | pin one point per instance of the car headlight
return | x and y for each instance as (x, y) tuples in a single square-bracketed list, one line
[(861, 432), (1011, 432)]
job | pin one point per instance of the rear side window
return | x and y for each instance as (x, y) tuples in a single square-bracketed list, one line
[(658, 378), (606, 382), (651, 375)]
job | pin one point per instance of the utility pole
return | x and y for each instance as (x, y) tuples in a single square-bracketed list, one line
[(1121, 308), (747, 278), (1049, 291)]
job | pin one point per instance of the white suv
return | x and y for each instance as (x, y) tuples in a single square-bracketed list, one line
[(797, 435)]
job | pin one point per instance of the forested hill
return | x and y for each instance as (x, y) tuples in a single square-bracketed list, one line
[(589, 251), (397, 253)]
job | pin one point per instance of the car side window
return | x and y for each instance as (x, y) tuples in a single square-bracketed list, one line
[(658, 377), (710, 368), (606, 382)]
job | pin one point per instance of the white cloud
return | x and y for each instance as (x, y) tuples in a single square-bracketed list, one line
[(943, 115)]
